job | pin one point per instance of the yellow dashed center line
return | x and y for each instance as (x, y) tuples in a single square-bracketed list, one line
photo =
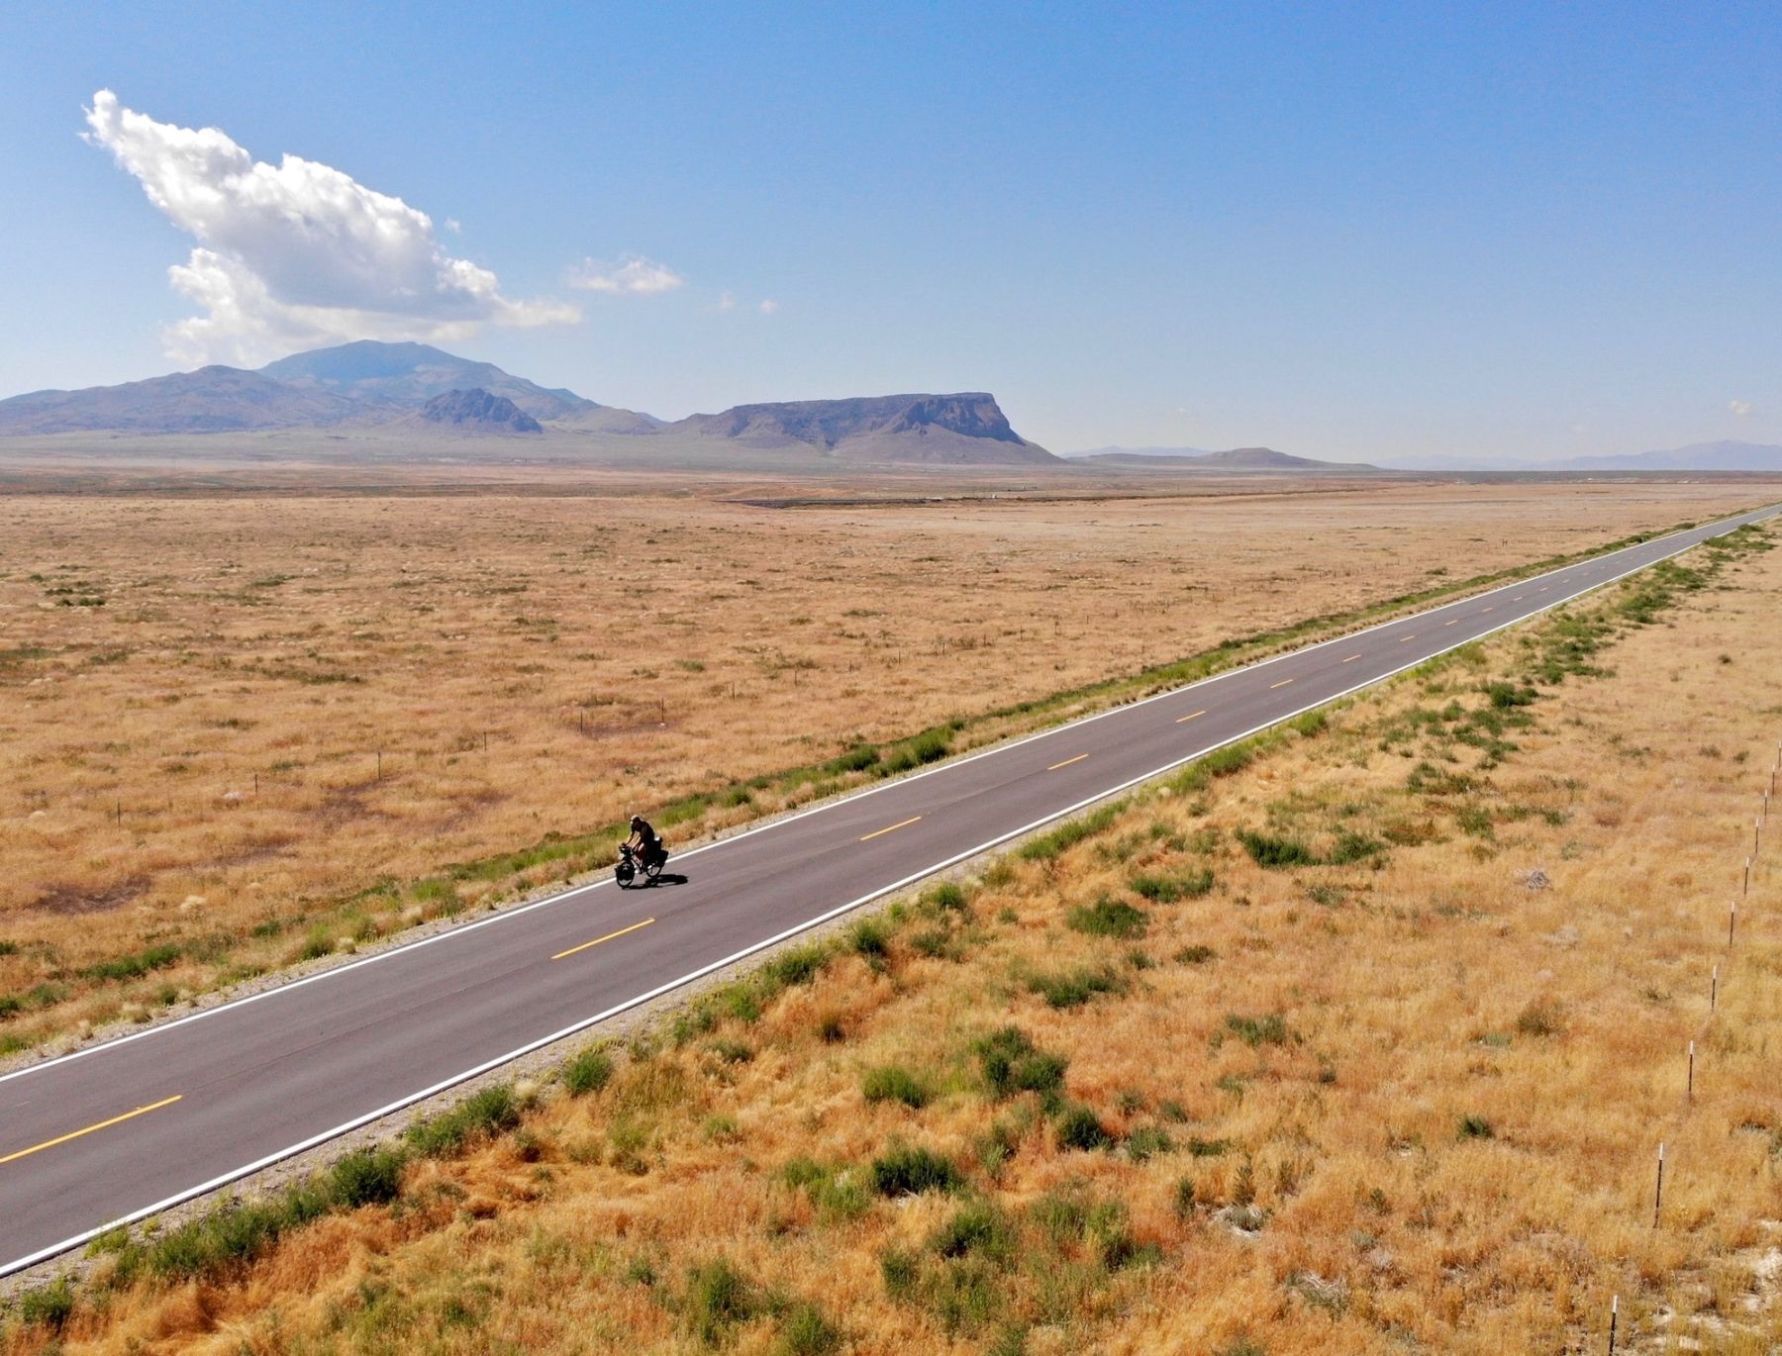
[(1067, 762), (878, 833), (1282, 683), (76, 1134), (1492, 608), (1192, 715), (1455, 622), (1351, 659), (1405, 640), (598, 940)]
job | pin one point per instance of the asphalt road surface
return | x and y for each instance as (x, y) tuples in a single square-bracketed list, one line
[(128, 1128)]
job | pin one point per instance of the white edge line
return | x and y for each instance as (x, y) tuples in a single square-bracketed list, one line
[(1719, 529), (323, 1137)]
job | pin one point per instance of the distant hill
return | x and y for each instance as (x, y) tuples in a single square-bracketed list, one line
[(210, 400), (363, 383), (1168, 453), (412, 374), (1725, 455), (1236, 459), (478, 411), (379, 394), (967, 427)]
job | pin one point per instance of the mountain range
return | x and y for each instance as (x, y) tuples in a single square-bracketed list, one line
[(371, 386), (1235, 459), (375, 399)]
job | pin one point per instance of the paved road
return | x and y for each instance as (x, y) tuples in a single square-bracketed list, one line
[(126, 1129)]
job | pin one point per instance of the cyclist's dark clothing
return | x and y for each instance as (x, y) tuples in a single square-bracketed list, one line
[(649, 845)]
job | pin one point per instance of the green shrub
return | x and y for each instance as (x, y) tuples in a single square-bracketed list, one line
[(590, 1070), (1270, 1029), (892, 1083), (1069, 834), (48, 1306), (368, 1176), (834, 1191), (1072, 988), (928, 747), (900, 1271), (906, 1170), (807, 1333), (718, 1298), (136, 966), (1107, 918), (1148, 1141), (1476, 1127), (1354, 847), (948, 896), (1080, 1128), (1275, 850), (870, 938), (1169, 889), (978, 1229), (486, 1113), (1310, 723), (1011, 1063), (856, 759), (799, 965)]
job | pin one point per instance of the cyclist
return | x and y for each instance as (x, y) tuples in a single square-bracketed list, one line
[(645, 841)]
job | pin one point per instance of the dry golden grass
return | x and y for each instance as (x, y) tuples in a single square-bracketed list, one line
[(1411, 1100), (197, 696)]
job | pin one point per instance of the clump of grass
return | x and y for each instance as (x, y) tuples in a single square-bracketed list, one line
[(928, 747), (1107, 918), (1273, 851), (1542, 1017), (488, 1112), (1195, 954), (1067, 835), (977, 1229), (806, 1332), (590, 1070), (893, 1083), (871, 938), (1080, 1128), (48, 1306), (1073, 988), (910, 1170), (718, 1299), (799, 965), (1310, 723), (137, 965), (949, 897), (1172, 887), (837, 1192), (237, 1232), (1147, 1142), (1010, 1063), (1269, 1029), (1476, 1127)]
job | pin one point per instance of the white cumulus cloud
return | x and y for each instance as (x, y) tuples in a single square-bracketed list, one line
[(632, 276), (297, 254), (1739, 407), (769, 306)]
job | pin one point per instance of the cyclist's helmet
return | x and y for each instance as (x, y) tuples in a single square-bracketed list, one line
[(637, 821)]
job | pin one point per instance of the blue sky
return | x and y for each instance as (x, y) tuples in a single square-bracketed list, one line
[(1341, 230)]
